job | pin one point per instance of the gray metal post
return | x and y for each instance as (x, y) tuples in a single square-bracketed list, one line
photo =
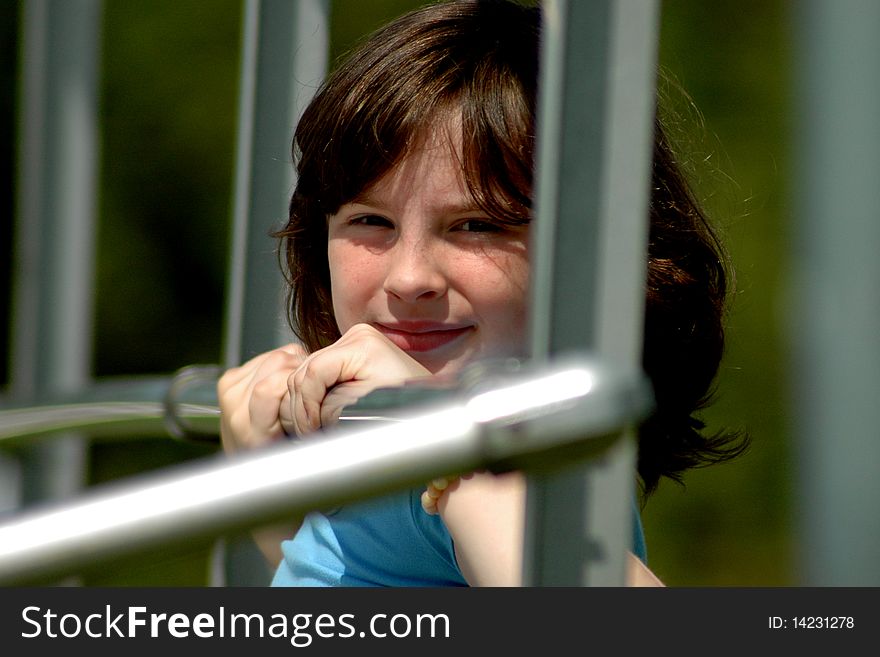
[(53, 287), (284, 59), (594, 137), (537, 414), (835, 326)]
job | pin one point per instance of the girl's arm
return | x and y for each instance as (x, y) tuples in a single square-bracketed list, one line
[(287, 391), (249, 398), (485, 513)]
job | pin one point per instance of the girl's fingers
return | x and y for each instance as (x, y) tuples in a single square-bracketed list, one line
[(250, 396), (340, 396), (285, 412), (434, 492), (311, 381), (264, 403), (362, 359), (246, 371)]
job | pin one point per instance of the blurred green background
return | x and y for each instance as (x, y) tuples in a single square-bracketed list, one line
[(168, 114)]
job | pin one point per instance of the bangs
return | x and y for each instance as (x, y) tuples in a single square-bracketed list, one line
[(377, 108), (495, 144), (498, 151)]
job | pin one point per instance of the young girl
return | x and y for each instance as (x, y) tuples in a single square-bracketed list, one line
[(407, 255)]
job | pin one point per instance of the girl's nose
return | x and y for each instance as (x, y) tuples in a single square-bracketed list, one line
[(416, 272)]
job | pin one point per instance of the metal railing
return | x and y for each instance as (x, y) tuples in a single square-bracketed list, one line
[(835, 272), (535, 418), (182, 405), (607, 36), (834, 326), (284, 59)]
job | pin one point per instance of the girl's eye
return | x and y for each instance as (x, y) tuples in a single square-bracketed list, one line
[(370, 220), (479, 226)]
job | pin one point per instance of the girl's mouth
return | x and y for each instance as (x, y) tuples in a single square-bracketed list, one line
[(417, 338)]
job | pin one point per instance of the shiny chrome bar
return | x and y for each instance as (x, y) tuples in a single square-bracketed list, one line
[(55, 238), (541, 417), (19, 425), (595, 111), (284, 60), (832, 317), (183, 405)]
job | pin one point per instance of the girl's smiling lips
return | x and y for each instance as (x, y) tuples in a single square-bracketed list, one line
[(415, 337)]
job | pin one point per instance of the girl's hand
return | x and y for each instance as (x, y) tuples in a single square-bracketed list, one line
[(250, 396), (360, 361), (434, 490)]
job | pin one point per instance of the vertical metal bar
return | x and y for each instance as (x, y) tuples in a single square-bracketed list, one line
[(284, 59), (55, 241), (594, 139), (835, 326)]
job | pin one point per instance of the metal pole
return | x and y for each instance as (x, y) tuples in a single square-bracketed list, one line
[(594, 138), (284, 56), (53, 288), (184, 406), (573, 410), (835, 323)]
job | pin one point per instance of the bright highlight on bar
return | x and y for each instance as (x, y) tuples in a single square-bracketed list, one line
[(215, 496), (531, 395)]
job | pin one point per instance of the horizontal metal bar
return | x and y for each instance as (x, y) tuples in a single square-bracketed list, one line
[(123, 388), (539, 418), (183, 405), (112, 419)]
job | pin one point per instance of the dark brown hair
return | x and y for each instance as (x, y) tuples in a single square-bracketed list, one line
[(478, 59)]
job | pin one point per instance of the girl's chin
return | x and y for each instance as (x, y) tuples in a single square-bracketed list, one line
[(450, 367), (444, 367)]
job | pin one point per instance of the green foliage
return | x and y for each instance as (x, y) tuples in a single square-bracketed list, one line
[(168, 115), (729, 525)]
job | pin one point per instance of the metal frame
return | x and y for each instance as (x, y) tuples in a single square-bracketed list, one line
[(835, 273), (595, 138), (594, 135), (52, 286), (285, 47), (538, 417)]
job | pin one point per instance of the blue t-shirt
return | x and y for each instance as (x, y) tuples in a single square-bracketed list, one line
[(386, 541)]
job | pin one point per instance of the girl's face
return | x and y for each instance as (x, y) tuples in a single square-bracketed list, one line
[(415, 258)]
